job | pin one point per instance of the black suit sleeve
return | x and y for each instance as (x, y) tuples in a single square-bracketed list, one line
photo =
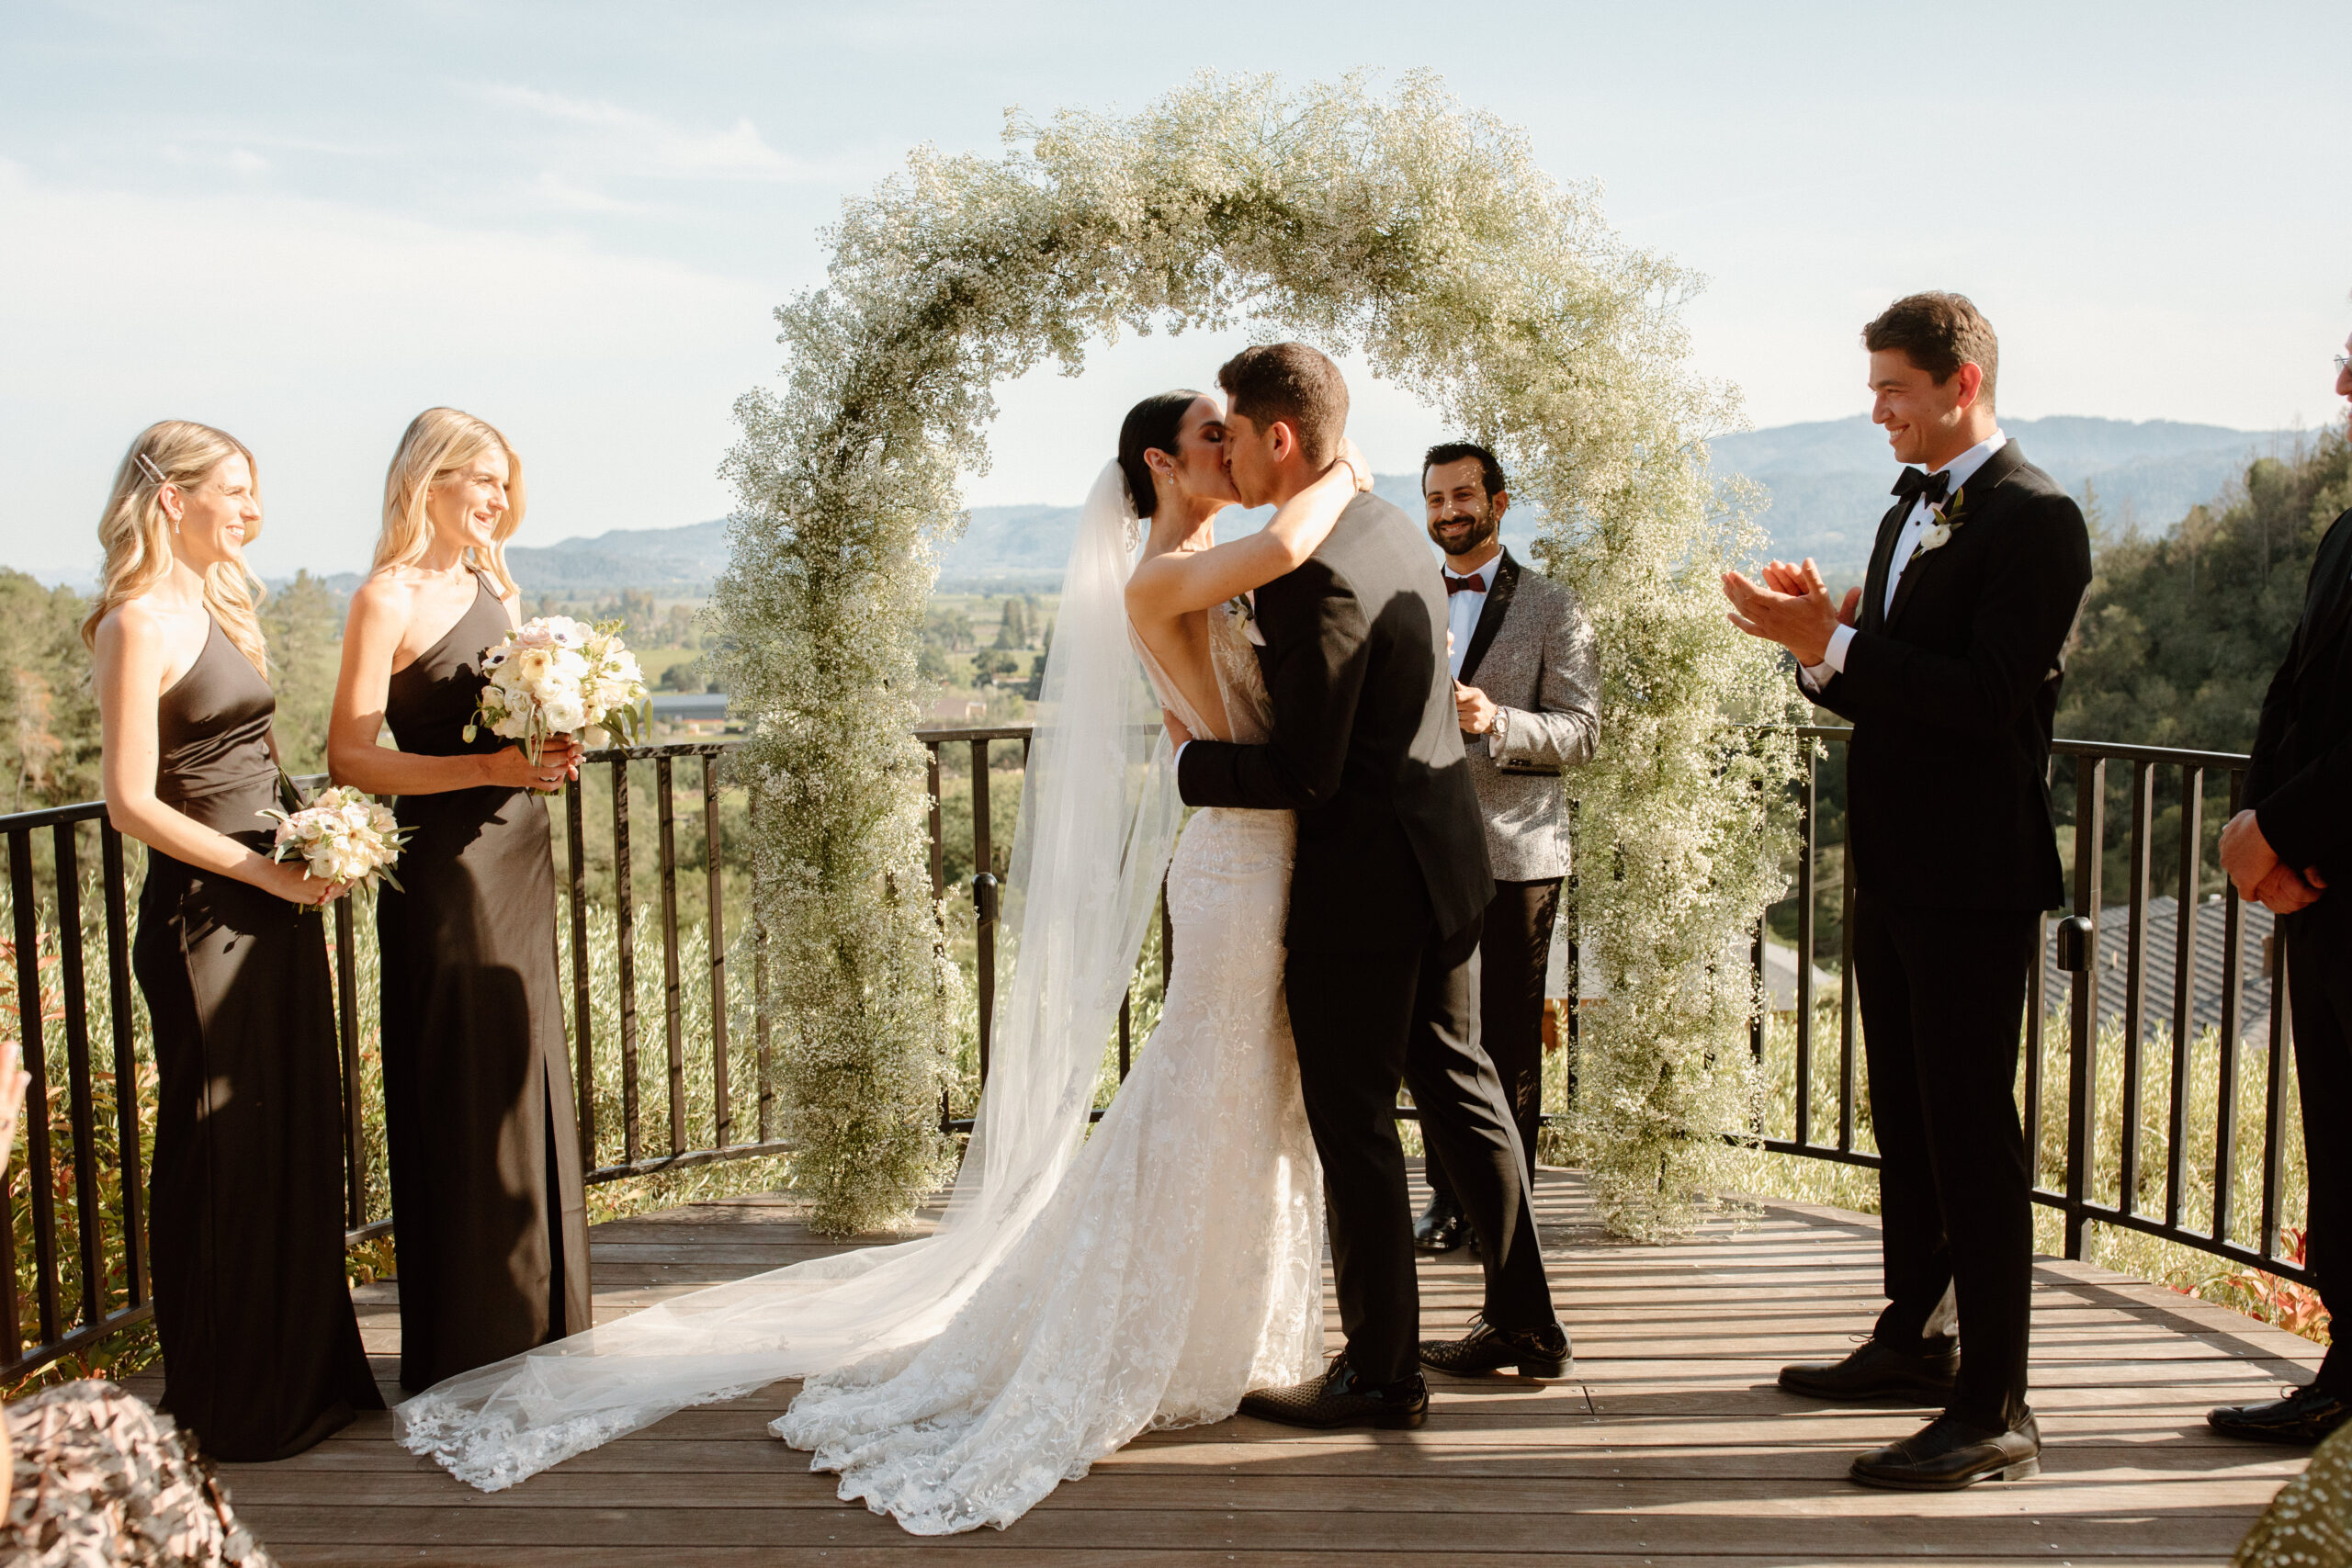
[(1828, 695), (1317, 653), (2271, 733), (2030, 598), (2302, 816)]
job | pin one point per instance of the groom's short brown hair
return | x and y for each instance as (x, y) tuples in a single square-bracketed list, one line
[(1940, 333), (1289, 381)]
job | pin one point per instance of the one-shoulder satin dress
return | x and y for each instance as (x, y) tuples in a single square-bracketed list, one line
[(262, 1355), (488, 1219)]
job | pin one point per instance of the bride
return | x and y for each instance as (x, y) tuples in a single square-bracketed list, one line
[(1081, 1290)]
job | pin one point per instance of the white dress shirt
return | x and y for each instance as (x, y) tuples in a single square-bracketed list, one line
[(1461, 613), (1914, 527)]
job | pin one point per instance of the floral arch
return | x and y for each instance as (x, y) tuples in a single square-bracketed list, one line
[(1393, 224)]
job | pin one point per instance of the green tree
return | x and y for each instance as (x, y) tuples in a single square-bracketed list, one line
[(48, 714), (303, 622)]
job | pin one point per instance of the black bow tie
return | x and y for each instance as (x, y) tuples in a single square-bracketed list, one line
[(1912, 483), (1474, 583)]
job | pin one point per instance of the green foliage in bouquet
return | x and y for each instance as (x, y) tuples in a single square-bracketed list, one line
[(1397, 225)]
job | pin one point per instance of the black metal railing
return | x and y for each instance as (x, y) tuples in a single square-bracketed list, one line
[(80, 1207), (2077, 959)]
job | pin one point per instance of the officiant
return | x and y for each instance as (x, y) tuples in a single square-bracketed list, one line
[(1527, 695)]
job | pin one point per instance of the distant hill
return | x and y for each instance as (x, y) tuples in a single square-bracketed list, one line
[(1828, 482), (1828, 479)]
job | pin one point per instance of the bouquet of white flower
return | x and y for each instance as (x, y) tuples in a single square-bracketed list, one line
[(555, 676), (341, 836)]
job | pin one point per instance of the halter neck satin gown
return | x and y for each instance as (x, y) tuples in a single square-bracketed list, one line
[(488, 1218), (262, 1355)]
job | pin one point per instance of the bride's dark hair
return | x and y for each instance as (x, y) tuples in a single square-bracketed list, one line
[(1151, 422)]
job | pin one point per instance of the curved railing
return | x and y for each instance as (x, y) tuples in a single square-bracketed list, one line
[(75, 1261)]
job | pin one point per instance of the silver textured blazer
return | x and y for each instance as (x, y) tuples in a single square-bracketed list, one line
[(1533, 655)]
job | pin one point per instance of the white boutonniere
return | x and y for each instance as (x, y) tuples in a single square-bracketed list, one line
[(1949, 518), (1239, 607)]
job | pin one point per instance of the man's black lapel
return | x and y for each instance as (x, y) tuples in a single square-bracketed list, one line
[(1971, 497), (1490, 614), (1890, 527)]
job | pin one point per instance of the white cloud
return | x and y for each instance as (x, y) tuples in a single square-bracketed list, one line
[(656, 146)]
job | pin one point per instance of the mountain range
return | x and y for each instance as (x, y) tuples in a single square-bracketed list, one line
[(1827, 483)]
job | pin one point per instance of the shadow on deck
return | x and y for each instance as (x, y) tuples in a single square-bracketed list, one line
[(1671, 1442)]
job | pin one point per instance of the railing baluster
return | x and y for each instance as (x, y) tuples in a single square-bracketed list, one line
[(2184, 985), (938, 832), (2273, 1110), (1850, 1003), (89, 1214), (2225, 1104), (625, 945), (2037, 1005), (575, 887), (2144, 798), (760, 1048), (40, 1187), (983, 901), (1808, 851), (722, 1112), (672, 1023), (2081, 1083), (129, 1154), (1126, 1051), (355, 1099)]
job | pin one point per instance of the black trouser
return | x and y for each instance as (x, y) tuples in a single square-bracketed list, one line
[(2319, 984), (1514, 949), (1943, 998), (1366, 1022)]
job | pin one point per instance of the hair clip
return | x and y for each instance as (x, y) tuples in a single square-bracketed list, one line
[(147, 466)]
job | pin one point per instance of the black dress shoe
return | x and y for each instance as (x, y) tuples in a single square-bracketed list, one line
[(2304, 1417), (1878, 1371), (1949, 1453), (1443, 1227), (1342, 1398), (1542, 1353)]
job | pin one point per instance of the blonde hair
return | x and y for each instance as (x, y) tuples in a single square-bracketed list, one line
[(439, 443), (136, 532)]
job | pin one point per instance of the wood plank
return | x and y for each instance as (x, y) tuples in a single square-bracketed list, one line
[(1671, 1439)]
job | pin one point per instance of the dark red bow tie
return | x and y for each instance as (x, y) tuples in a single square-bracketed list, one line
[(1474, 583)]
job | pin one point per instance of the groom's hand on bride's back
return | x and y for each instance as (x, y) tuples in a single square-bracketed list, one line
[(1177, 733)]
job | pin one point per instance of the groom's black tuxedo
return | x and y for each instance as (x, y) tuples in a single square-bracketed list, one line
[(1366, 747), (1952, 689), (1386, 894)]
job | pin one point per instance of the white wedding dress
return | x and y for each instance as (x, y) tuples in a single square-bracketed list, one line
[(1179, 1264), (1082, 1288)]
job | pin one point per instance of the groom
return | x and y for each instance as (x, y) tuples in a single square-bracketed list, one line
[(1387, 895)]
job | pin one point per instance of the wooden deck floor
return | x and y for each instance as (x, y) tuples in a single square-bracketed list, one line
[(1672, 1443)]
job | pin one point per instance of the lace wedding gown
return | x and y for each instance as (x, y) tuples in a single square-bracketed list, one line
[(1178, 1265)]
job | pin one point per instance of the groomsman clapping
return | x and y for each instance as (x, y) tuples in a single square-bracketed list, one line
[(1948, 661)]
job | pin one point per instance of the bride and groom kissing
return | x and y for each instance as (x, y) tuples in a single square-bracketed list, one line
[(1327, 894)]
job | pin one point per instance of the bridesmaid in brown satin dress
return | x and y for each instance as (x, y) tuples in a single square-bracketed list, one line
[(488, 1219), (262, 1355)]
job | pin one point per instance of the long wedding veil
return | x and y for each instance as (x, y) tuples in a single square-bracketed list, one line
[(1099, 814)]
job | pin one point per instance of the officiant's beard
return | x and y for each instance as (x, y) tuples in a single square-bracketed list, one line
[(1462, 535)]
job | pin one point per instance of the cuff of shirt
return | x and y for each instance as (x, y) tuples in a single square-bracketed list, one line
[(1832, 662), (1180, 754), (1495, 737)]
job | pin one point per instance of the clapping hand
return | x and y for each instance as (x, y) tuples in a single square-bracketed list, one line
[(1792, 607)]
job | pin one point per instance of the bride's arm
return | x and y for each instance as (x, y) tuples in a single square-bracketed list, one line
[(1170, 585)]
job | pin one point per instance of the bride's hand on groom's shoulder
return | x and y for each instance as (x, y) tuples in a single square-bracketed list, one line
[(1358, 464)]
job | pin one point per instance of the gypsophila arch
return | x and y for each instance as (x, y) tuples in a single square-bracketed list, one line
[(1397, 225)]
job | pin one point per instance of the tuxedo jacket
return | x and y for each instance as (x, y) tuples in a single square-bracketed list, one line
[(1365, 746), (1952, 692), (2300, 783), (1531, 652)]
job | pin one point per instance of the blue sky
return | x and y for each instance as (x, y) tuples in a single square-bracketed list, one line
[(306, 223)]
